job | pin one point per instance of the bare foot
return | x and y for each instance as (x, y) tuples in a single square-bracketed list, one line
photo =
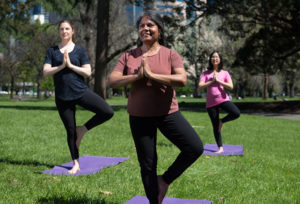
[(75, 168), (162, 189), (80, 131), (221, 150), (220, 125)]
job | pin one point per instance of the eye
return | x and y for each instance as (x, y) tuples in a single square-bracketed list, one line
[(150, 25)]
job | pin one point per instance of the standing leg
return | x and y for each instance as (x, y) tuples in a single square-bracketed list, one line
[(231, 109), (66, 111), (144, 133), (96, 104), (176, 128), (213, 113)]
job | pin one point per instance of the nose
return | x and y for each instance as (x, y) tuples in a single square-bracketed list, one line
[(145, 27)]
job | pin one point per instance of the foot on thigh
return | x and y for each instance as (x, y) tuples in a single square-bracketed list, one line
[(221, 150), (220, 125), (75, 168), (80, 131), (162, 188)]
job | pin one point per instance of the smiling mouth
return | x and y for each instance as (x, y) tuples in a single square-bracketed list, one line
[(146, 34)]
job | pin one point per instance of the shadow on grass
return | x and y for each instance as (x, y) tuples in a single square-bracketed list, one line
[(25, 162), (57, 199), (53, 108)]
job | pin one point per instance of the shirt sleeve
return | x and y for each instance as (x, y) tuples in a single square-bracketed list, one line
[(48, 58), (176, 61), (203, 77), (84, 58), (121, 63), (227, 77)]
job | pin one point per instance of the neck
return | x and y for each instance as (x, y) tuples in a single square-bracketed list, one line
[(216, 68), (150, 47), (66, 42)]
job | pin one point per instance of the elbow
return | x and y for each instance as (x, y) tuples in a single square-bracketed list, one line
[(88, 74), (45, 74), (111, 84), (182, 82)]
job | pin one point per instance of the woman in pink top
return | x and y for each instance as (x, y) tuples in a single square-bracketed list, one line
[(215, 79), (153, 70)]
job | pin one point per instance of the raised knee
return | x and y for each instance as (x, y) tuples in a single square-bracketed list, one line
[(196, 151), (108, 114)]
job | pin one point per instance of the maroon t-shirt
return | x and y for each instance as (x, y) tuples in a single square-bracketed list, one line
[(147, 97)]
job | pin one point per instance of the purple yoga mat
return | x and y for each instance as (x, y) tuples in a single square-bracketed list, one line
[(88, 165), (167, 200), (229, 150)]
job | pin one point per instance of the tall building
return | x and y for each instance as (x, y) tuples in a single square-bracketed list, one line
[(39, 13), (133, 12)]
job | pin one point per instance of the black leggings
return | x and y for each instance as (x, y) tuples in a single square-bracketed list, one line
[(89, 101), (179, 132), (213, 112)]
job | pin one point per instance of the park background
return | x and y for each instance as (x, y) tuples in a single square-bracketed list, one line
[(259, 41)]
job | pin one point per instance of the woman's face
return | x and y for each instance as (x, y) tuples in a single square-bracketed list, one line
[(215, 59), (148, 30), (65, 31)]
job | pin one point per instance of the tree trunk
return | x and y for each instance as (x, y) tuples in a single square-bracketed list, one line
[(196, 93), (39, 88), (12, 83), (266, 82), (101, 47)]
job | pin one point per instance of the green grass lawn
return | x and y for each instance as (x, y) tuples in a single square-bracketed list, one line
[(32, 138)]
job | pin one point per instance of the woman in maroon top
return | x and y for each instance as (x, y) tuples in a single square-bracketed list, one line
[(153, 70)]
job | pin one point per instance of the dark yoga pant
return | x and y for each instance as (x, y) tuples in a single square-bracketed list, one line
[(89, 101), (213, 112), (179, 132)]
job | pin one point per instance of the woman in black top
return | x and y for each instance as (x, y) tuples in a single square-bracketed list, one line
[(69, 63)]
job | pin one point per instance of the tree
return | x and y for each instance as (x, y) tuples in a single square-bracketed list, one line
[(273, 26), (290, 68), (39, 39), (102, 47)]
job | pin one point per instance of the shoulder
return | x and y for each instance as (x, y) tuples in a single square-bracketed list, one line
[(225, 72), (172, 54), (133, 52), (53, 48), (168, 50), (79, 48), (206, 72)]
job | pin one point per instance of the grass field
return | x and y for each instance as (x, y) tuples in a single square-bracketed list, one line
[(32, 138)]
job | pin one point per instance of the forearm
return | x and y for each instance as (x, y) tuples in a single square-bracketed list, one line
[(203, 85), (49, 71), (83, 71), (115, 81), (227, 85), (174, 80)]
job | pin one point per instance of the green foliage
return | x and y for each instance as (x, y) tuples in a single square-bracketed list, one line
[(265, 174), (186, 90)]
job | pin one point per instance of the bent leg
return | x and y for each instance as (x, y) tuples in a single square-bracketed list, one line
[(93, 102), (177, 129), (232, 110)]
